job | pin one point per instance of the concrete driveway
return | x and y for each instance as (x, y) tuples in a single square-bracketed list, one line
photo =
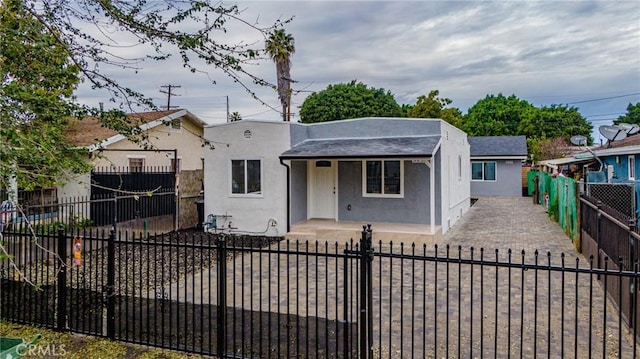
[(427, 308)]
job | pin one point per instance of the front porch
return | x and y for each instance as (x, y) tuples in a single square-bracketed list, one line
[(331, 231)]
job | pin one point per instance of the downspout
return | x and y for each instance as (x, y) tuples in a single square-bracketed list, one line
[(288, 194)]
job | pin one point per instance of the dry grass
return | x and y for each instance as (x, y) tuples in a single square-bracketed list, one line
[(75, 346)]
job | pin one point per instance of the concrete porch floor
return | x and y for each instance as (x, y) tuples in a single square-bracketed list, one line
[(322, 230)]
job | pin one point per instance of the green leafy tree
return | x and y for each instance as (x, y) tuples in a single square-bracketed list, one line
[(47, 50), (632, 115), (405, 109), (36, 97), (349, 100), (555, 121), (432, 106), (496, 116), (280, 46)]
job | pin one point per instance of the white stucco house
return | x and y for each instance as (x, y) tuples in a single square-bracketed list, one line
[(406, 176)]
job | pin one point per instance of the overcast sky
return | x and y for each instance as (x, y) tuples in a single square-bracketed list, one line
[(545, 52)]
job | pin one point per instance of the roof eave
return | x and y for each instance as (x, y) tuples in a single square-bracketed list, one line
[(351, 157), (505, 157)]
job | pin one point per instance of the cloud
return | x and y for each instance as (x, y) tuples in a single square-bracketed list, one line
[(544, 52)]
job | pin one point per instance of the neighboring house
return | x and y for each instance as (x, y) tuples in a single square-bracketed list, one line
[(178, 146), (496, 165), (273, 175), (611, 166), (621, 159), (616, 161)]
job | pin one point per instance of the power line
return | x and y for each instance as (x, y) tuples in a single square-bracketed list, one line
[(169, 94), (605, 114), (603, 98)]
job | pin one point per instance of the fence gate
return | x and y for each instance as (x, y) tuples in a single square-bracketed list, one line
[(120, 196)]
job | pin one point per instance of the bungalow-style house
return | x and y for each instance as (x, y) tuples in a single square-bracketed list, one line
[(496, 165), (178, 146), (409, 177)]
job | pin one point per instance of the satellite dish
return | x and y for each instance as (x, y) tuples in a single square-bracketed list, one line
[(629, 128), (612, 133), (578, 140)]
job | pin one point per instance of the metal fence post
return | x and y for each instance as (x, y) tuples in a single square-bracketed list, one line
[(631, 267), (110, 288), (598, 228), (345, 332), (62, 281), (221, 319), (115, 210), (366, 330)]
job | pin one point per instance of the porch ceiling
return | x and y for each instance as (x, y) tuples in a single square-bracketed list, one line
[(413, 146)]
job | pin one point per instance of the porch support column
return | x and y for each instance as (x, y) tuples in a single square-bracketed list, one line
[(432, 190)]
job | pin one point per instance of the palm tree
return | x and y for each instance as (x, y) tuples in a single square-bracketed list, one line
[(235, 116), (280, 46)]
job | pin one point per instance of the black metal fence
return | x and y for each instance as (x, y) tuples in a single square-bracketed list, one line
[(607, 234), (120, 195), (262, 297)]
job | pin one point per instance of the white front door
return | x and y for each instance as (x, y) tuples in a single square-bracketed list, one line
[(322, 189)]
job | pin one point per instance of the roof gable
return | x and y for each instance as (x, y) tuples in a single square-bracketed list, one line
[(498, 146), (91, 132)]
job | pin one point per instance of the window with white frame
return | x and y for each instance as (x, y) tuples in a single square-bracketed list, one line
[(246, 177), (483, 170), (383, 178), (631, 162), (136, 164)]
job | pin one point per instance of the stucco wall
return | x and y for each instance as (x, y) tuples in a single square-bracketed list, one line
[(78, 186), (455, 175), (508, 180), (413, 208), (266, 142), (186, 141), (362, 128), (298, 191), (620, 165)]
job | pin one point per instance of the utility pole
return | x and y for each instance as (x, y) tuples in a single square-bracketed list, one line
[(169, 94), (228, 119)]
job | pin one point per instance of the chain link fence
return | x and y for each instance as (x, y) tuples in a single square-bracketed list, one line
[(619, 197)]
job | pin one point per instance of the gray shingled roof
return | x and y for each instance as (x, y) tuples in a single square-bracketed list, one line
[(418, 146), (496, 146)]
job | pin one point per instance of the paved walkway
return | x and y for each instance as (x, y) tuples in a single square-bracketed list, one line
[(512, 223), (427, 308)]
